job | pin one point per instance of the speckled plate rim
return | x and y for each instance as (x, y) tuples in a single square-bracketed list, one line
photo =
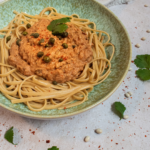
[(44, 117)]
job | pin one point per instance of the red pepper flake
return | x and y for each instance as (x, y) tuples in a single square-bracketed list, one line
[(64, 107), (145, 135), (47, 141), (148, 105), (135, 27), (74, 137), (116, 143), (86, 127), (33, 132), (47, 54), (99, 146), (114, 130), (29, 129), (132, 61), (64, 58), (39, 140), (111, 140), (21, 136), (129, 121)]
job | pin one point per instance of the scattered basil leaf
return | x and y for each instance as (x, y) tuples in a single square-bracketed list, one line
[(118, 108), (142, 61), (9, 135), (143, 74), (53, 148)]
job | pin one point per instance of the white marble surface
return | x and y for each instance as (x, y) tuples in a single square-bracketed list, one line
[(104, 2), (68, 134)]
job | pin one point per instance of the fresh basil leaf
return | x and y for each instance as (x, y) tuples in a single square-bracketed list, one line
[(50, 27), (143, 74), (54, 23), (59, 29), (119, 109), (53, 148), (58, 26), (9, 135), (142, 61)]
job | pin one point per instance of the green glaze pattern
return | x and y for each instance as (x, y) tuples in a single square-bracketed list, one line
[(105, 20)]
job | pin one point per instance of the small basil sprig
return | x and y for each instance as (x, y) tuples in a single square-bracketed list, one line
[(58, 26), (53, 148), (9, 135), (118, 108), (143, 62)]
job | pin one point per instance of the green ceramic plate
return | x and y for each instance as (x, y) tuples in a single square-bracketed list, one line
[(105, 20)]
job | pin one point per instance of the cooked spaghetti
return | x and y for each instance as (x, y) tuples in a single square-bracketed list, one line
[(40, 91)]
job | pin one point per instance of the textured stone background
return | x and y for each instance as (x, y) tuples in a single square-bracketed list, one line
[(68, 134)]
